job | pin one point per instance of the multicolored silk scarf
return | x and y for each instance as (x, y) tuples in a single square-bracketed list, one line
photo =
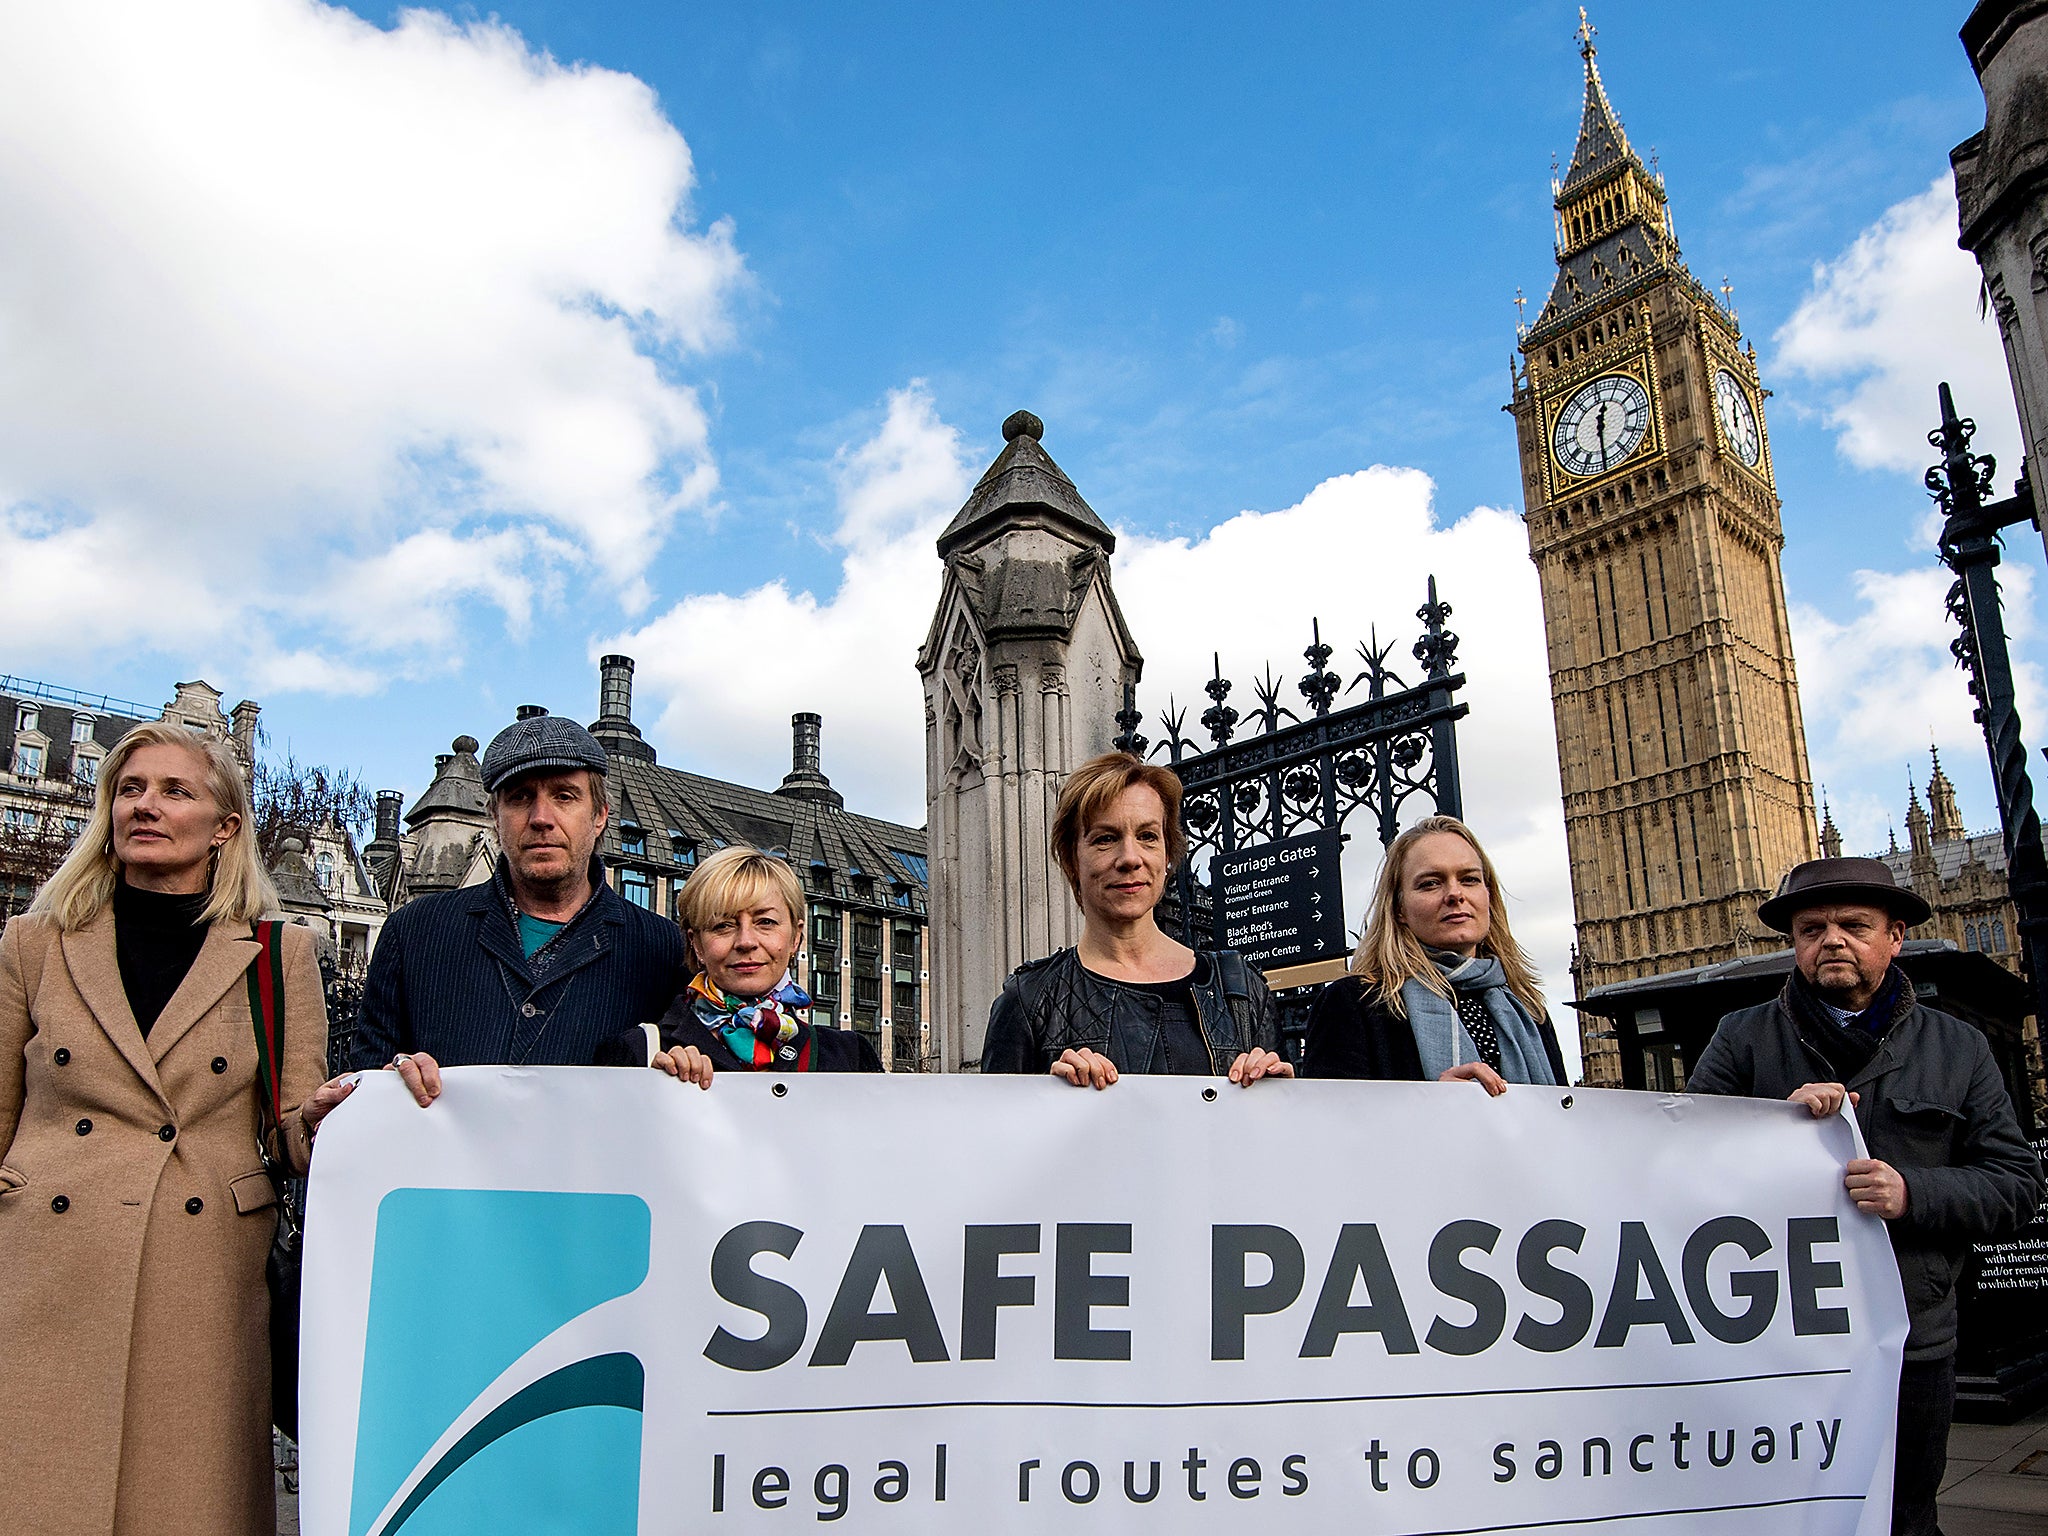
[(767, 1033)]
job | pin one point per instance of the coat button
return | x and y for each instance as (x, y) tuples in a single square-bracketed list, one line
[(61, 1056), (60, 1203), (85, 1127), (194, 1206), (167, 1133), (529, 1010), (220, 1065)]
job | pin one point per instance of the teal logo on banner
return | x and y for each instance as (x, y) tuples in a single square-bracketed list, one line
[(463, 1284)]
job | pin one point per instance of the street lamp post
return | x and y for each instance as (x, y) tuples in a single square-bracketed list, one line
[(1969, 547)]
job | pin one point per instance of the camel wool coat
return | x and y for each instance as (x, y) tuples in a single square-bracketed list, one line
[(135, 1219)]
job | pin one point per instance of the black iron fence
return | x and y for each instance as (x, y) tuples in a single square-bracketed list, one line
[(1287, 773)]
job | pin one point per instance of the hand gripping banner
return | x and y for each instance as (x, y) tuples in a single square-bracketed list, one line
[(597, 1301)]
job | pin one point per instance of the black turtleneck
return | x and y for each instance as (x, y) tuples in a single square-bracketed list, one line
[(156, 939)]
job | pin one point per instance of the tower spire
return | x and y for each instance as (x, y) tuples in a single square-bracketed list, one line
[(1613, 218)]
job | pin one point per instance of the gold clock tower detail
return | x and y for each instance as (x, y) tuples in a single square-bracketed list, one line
[(1653, 521)]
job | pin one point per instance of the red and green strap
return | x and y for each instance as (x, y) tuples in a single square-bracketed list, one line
[(266, 1010)]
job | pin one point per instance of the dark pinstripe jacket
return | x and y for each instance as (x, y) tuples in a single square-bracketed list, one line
[(448, 977)]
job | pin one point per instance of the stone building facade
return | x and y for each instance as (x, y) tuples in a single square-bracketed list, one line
[(865, 956), (1653, 521), (52, 741)]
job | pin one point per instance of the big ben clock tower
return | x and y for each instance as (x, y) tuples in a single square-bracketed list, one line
[(1653, 522)]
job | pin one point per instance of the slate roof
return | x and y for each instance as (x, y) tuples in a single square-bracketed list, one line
[(54, 722), (663, 803), (1950, 855)]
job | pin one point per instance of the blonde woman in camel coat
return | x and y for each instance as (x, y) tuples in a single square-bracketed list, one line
[(135, 1215)]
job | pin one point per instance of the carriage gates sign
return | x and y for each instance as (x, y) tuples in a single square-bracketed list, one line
[(1282, 904), (594, 1300)]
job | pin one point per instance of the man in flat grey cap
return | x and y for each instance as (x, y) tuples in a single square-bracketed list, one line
[(541, 963), (1947, 1165)]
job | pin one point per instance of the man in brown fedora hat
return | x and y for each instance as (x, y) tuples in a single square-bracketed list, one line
[(1947, 1165)]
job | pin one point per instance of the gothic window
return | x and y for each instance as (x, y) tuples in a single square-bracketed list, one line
[(1998, 935), (1969, 935)]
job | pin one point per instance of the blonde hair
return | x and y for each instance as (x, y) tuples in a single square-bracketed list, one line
[(1093, 788), (239, 889), (1390, 955), (733, 880)]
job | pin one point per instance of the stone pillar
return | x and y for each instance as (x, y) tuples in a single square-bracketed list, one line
[(2002, 207), (450, 823), (1024, 669)]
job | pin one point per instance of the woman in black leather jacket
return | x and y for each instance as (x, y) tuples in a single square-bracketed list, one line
[(1128, 998)]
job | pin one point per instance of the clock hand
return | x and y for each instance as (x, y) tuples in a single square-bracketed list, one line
[(1600, 431)]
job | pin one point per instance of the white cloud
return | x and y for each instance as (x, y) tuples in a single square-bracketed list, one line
[(719, 675), (1881, 686), (292, 305), (1887, 321)]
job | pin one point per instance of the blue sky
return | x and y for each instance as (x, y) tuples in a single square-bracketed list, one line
[(389, 372)]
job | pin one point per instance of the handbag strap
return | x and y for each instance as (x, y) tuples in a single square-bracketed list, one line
[(266, 1011)]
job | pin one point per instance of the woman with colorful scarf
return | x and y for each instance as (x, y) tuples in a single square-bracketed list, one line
[(742, 918), (1439, 990)]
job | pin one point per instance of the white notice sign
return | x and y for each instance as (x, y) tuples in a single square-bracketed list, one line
[(592, 1300)]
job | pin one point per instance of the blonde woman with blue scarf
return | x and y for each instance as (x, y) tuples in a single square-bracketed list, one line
[(1439, 990)]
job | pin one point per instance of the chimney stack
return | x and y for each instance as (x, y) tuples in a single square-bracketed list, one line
[(389, 803), (528, 711), (806, 778), (614, 727)]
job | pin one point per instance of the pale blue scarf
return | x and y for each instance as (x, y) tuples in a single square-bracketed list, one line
[(1441, 1037)]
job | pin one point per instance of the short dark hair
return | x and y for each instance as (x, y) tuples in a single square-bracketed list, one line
[(1093, 788)]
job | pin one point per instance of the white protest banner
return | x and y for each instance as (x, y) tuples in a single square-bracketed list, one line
[(597, 1301)]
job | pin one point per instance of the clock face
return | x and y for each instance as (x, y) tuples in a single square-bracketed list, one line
[(1601, 425), (1738, 418)]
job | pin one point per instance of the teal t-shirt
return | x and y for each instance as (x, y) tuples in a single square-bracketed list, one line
[(534, 933)]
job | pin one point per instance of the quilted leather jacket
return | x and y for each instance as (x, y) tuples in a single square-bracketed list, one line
[(1054, 1005)]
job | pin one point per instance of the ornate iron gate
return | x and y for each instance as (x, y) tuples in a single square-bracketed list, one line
[(1292, 773)]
